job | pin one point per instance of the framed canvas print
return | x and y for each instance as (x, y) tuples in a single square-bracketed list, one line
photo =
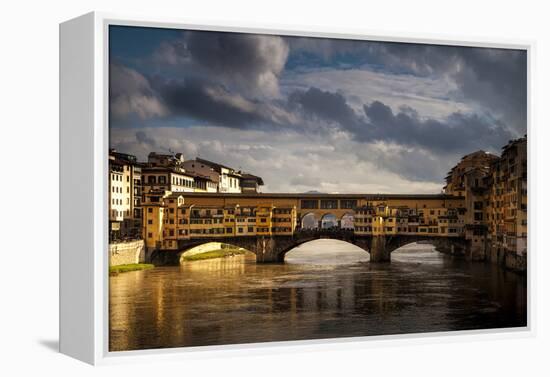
[(225, 187)]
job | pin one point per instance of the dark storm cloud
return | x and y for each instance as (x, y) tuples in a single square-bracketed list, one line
[(495, 79), (209, 102), (458, 132), (216, 105), (246, 62), (312, 110), (327, 106), (498, 80)]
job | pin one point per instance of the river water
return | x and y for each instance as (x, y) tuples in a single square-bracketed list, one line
[(325, 289)]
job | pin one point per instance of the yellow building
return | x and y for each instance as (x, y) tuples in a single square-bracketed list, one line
[(169, 219), (183, 216), (507, 199)]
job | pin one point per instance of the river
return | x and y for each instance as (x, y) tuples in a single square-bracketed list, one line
[(326, 289)]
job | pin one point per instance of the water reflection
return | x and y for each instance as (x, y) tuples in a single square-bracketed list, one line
[(234, 300), (326, 252)]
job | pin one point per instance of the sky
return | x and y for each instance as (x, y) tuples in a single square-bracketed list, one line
[(313, 114)]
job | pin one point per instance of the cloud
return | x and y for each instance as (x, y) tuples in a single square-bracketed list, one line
[(248, 63), (459, 132), (142, 138), (497, 79), (215, 104), (324, 105), (491, 79), (303, 180), (431, 97), (131, 93), (320, 114), (456, 133), (293, 162)]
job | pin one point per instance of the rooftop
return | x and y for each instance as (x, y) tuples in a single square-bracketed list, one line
[(212, 164), (255, 195), (259, 180)]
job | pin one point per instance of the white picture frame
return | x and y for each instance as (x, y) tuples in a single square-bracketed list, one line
[(84, 143)]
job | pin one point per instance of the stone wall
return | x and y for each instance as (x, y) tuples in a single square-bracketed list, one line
[(126, 252), (487, 252), (515, 262)]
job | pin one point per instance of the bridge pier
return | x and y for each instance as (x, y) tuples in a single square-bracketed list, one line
[(267, 250), (379, 251)]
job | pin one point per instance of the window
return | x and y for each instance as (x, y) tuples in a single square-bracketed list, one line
[(241, 230), (478, 206), (228, 230), (478, 232), (150, 235), (250, 229), (149, 221), (309, 204), (478, 216), (329, 204), (348, 203), (150, 210)]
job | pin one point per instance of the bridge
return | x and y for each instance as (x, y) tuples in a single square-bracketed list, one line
[(269, 225)]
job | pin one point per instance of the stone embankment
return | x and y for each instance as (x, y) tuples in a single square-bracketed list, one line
[(126, 252), (487, 253)]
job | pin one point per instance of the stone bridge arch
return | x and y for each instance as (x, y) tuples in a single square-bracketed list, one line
[(273, 249), (329, 221), (309, 220), (347, 220)]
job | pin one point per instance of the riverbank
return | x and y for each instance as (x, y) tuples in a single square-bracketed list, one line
[(505, 259), (218, 253), (126, 252), (129, 267)]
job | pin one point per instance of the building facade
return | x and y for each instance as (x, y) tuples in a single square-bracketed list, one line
[(250, 183), (166, 172), (495, 197), (507, 200), (173, 217), (455, 179), (229, 180), (124, 196)]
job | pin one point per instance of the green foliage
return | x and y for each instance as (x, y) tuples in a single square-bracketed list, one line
[(129, 267), (219, 253)]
